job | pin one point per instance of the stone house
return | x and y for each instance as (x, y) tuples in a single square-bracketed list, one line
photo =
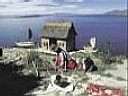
[(58, 34)]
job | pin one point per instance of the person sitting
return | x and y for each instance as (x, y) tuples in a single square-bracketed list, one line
[(62, 82), (89, 65)]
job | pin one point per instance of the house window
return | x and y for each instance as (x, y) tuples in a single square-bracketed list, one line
[(45, 43), (59, 44), (63, 44)]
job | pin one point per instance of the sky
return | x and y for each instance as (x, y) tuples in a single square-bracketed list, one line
[(43, 7)]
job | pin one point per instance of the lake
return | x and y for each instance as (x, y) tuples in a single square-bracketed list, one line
[(106, 29)]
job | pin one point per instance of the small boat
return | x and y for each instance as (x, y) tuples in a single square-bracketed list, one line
[(25, 44), (28, 43)]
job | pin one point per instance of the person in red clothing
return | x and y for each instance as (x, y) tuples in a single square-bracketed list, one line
[(61, 59)]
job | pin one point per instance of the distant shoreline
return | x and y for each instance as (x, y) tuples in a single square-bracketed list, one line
[(70, 15)]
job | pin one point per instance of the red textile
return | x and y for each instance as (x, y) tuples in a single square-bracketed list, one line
[(72, 64), (98, 90)]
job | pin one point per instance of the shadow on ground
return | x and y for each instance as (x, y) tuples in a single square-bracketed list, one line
[(13, 83)]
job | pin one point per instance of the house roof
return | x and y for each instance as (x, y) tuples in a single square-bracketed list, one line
[(57, 29)]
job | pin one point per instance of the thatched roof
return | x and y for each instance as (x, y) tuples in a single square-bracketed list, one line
[(57, 29)]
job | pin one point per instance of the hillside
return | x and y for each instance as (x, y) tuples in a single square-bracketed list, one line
[(118, 12)]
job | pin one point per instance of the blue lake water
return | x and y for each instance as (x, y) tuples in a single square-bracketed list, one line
[(111, 29)]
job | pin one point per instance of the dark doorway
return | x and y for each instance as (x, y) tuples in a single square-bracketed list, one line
[(52, 44)]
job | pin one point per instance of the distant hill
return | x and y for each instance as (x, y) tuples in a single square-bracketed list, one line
[(117, 12), (110, 13)]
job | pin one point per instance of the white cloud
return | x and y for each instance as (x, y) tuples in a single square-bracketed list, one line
[(20, 8), (31, 8), (73, 0), (42, 7), (23, 10), (11, 1)]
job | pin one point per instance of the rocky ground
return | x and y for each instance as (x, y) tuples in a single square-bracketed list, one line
[(111, 75), (115, 77)]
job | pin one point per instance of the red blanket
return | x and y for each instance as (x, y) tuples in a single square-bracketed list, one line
[(99, 90)]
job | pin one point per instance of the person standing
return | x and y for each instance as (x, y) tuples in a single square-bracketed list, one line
[(61, 59)]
